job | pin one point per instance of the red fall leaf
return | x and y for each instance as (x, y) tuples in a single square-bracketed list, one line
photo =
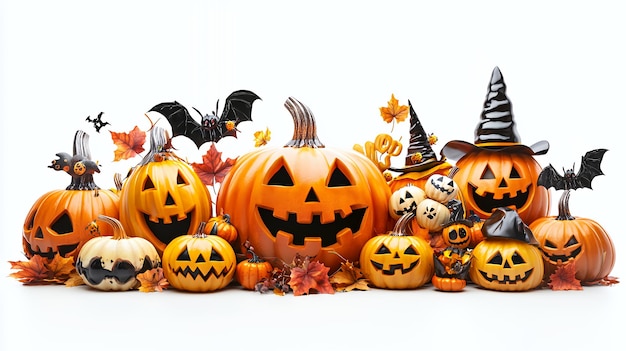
[(39, 270), (310, 276), (128, 144), (564, 278), (152, 280), (212, 169)]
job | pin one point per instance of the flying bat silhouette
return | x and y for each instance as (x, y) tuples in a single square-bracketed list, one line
[(238, 108), (589, 169)]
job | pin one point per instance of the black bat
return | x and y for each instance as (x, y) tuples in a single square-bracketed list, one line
[(589, 169), (98, 123), (238, 108)]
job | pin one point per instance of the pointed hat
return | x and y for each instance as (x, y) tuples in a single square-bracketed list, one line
[(496, 129), (420, 156)]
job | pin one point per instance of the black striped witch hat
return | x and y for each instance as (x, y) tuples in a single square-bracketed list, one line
[(420, 156), (496, 129)]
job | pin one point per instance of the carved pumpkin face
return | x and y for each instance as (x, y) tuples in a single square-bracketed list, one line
[(199, 262), (405, 200), (58, 222), (397, 260), (432, 215), (581, 240), (163, 200), (506, 265), (457, 235), (305, 199), (489, 179), (441, 188)]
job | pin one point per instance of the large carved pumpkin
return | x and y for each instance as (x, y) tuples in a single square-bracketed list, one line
[(163, 197), (58, 222), (305, 198)]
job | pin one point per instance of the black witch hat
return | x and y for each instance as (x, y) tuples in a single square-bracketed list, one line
[(420, 156), (505, 222), (496, 129)]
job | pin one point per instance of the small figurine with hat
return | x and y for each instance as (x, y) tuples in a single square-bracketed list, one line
[(497, 170)]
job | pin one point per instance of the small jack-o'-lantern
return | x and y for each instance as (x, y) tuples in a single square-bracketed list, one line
[(508, 258), (397, 260), (432, 215), (199, 262), (58, 222), (462, 232), (497, 170), (441, 188), (163, 197), (405, 200), (113, 262), (305, 198)]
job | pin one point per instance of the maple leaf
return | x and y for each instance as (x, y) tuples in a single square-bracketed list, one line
[(348, 278), (39, 270), (74, 280), (262, 137), (394, 112), (213, 169), (152, 280), (564, 278), (128, 144), (310, 275), (61, 267)]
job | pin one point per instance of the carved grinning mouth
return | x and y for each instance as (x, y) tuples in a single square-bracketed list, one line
[(167, 232), (411, 208), (506, 279), (394, 267), (62, 250), (487, 202), (562, 258), (198, 273), (300, 231)]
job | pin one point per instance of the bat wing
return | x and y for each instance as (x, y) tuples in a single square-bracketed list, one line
[(549, 177), (181, 121), (238, 108), (589, 168)]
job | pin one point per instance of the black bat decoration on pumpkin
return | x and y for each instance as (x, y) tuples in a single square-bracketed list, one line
[(589, 169), (238, 108)]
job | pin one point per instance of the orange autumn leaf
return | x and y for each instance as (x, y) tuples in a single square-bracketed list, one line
[(310, 276), (74, 280), (152, 280), (39, 270), (564, 278), (262, 137), (128, 144), (213, 169), (393, 111), (348, 278)]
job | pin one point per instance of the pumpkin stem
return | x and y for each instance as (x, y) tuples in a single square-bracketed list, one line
[(200, 232), (305, 129), (159, 146), (81, 167), (400, 228), (564, 213), (118, 231)]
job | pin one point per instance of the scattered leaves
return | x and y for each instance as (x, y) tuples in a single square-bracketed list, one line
[(564, 278), (348, 278), (262, 137), (212, 169), (40, 271), (128, 144), (394, 112), (309, 276), (152, 280), (74, 280), (606, 281)]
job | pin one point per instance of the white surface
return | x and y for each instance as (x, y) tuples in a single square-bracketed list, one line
[(62, 61)]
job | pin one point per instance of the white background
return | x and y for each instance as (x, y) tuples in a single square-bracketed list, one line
[(60, 61)]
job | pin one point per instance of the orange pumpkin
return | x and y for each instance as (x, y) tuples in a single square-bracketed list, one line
[(251, 271), (163, 197), (221, 226), (59, 221), (305, 198), (565, 238)]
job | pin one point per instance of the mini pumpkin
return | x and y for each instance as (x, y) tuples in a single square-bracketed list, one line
[(508, 259), (432, 215), (441, 188), (58, 221), (305, 198), (163, 197), (113, 262), (199, 262), (220, 225), (251, 271), (397, 260), (405, 200)]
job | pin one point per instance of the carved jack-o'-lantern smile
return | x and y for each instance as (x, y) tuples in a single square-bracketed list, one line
[(569, 251), (389, 262), (328, 231), (487, 201), (508, 265)]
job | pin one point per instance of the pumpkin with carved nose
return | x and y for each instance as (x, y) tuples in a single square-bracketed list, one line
[(305, 198)]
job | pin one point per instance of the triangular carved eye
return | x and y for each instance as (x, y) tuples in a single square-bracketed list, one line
[(408, 195), (180, 180), (338, 177), (488, 174), (216, 256), (148, 184), (281, 177), (184, 256), (63, 224), (410, 251), (383, 250), (514, 174), (497, 259), (571, 241), (517, 258)]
